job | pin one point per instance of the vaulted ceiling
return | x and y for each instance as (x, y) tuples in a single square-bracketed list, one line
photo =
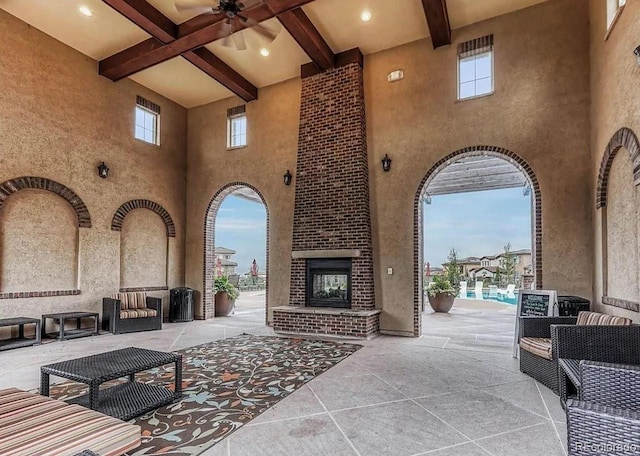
[(180, 55)]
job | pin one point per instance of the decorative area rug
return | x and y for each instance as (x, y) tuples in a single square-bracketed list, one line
[(226, 384)]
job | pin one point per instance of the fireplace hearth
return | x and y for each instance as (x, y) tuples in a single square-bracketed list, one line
[(328, 283)]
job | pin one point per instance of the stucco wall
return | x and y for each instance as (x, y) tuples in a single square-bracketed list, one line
[(37, 224), (272, 144), (143, 250), (540, 110), (615, 103), (59, 120)]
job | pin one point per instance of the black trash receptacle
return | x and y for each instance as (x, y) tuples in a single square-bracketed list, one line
[(181, 305), (569, 306)]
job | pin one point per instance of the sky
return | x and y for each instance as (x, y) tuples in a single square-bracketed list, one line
[(241, 225), (476, 224)]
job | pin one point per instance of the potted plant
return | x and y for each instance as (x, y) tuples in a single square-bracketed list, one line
[(226, 295), (441, 294)]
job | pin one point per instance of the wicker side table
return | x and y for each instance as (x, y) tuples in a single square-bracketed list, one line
[(125, 400), (20, 341), (73, 333)]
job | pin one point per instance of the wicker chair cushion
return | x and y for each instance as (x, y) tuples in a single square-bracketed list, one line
[(131, 300), (138, 313), (38, 425), (599, 319), (538, 346)]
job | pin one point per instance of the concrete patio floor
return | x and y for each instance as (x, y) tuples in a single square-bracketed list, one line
[(454, 391)]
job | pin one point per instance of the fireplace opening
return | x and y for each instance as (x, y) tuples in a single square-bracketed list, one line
[(329, 283)]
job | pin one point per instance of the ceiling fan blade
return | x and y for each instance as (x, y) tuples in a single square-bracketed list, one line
[(182, 5), (268, 33), (246, 4), (238, 39)]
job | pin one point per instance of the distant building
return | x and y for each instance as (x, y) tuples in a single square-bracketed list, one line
[(224, 255), (486, 267)]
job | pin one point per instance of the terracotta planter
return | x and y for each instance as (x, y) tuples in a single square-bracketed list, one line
[(441, 302), (224, 305)]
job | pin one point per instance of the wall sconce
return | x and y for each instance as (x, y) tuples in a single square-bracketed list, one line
[(287, 178), (636, 51), (103, 170), (386, 163)]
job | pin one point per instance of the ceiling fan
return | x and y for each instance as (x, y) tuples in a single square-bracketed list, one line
[(234, 10)]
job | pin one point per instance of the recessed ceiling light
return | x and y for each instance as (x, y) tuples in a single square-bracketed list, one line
[(264, 52), (85, 11), (365, 16)]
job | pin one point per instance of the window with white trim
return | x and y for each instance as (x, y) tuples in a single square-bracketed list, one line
[(147, 124), (236, 127), (475, 68), (613, 10)]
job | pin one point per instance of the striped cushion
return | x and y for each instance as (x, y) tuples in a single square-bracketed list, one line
[(131, 300), (595, 318), (34, 425), (137, 313), (538, 346)]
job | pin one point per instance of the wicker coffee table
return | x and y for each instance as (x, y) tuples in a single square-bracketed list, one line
[(126, 400)]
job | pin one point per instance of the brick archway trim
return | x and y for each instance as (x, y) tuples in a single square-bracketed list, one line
[(208, 309), (625, 137), (121, 213), (12, 186), (471, 151)]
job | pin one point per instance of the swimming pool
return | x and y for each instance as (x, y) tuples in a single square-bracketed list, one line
[(503, 298)]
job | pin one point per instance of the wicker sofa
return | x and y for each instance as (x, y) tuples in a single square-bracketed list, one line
[(131, 312), (590, 335), (606, 418), (35, 425)]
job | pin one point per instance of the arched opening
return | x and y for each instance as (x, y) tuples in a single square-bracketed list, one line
[(474, 169), (618, 199), (236, 233)]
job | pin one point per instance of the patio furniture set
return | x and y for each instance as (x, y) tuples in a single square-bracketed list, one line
[(592, 362), (121, 313)]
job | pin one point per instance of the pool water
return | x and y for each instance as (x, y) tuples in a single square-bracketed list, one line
[(503, 298)]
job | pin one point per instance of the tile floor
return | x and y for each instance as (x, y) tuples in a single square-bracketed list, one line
[(456, 391)]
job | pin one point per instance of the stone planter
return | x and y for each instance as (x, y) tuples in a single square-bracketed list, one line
[(224, 305), (441, 302)]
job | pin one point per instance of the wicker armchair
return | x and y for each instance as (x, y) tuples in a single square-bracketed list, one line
[(131, 312), (607, 418), (592, 336)]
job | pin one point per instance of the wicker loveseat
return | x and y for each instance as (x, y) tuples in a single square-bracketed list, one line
[(131, 312), (606, 418), (35, 425), (590, 335)]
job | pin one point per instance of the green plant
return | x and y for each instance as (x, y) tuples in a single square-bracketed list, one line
[(452, 269), (222, 285), (440, 284)]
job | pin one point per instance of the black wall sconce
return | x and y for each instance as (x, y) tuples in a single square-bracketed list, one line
[(386, 163), (287, 178), (103, 170), (636, 51)]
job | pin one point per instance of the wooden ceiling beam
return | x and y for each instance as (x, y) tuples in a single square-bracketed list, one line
[(308, 38), (145, 16), (438, 22), (208, 62), (164, 33), (190, 37)]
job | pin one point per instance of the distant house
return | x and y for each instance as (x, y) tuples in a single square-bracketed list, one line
[(483, 273), (486, 267), (467, 264), (224, 255)]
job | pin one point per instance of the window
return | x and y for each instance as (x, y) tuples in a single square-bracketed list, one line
[(475, 68), (614, 7), (147, 126), (236, 127)]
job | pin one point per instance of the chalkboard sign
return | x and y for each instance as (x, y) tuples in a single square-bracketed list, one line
[(533, 303)]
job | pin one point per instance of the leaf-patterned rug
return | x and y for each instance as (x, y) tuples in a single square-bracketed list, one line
[(226, 383)]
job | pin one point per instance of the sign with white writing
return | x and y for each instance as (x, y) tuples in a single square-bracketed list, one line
[(534, 303)]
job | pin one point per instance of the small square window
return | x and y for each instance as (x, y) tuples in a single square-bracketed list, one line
[(614, 7), (237, 131), (475, 75), (147, 125)]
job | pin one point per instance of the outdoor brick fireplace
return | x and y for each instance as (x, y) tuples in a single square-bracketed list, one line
[(332, 288)]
